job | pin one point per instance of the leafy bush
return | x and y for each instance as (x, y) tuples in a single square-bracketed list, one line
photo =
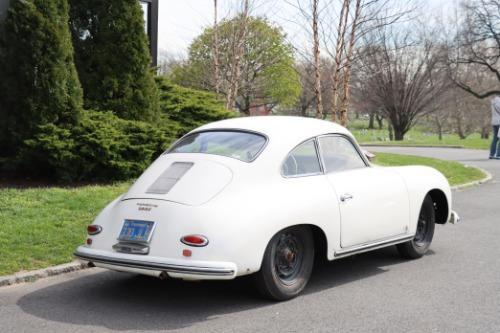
[(189, 108), (102, 147)]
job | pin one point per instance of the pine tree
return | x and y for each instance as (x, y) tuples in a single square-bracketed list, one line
[(39, 83), (112, 57)]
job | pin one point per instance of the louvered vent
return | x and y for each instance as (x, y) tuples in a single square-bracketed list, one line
[(169, 178)]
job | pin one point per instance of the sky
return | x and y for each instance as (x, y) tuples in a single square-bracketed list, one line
[(180, 21)]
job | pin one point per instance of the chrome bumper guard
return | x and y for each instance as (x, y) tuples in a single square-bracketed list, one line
[(454, 218), (194, 270)]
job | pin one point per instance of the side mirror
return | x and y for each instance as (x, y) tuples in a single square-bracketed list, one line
[(369, 155)]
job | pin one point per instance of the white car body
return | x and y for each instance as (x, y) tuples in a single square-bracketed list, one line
[(238, 206)]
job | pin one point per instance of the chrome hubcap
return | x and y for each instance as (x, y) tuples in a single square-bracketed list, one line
[(288, 257), (422, 229)]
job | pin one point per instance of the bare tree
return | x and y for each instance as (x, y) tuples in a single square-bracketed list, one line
[(317, 61), (462, 113), (338, 26), (477, 46), (404, 77), (307, 100)]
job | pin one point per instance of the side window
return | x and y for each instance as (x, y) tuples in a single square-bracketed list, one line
[(339, 154), (302, 161)]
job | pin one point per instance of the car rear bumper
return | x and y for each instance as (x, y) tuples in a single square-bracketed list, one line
[(183, 269)]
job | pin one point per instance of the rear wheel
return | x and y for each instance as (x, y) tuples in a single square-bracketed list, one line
[(419, 245), (287, 264)]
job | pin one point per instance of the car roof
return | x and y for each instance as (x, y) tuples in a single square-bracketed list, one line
[(281, 128)]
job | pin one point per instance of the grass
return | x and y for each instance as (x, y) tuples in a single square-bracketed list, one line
[(455, 172), (416, 136), (41, 227)]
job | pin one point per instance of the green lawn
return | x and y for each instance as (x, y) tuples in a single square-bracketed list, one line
[(40, 227), (416, 136), (455, 172)]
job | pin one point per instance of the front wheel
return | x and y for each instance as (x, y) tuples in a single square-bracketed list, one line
[(419, 245), (287, 264)]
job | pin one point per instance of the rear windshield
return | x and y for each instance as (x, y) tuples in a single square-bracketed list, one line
[(243, 146)]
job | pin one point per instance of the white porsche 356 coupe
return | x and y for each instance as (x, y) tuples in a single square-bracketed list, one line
[(265, 195)]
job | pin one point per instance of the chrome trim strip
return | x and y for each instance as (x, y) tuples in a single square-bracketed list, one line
[(372, 246), (157, 266)]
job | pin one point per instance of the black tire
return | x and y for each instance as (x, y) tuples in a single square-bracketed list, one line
[(419, 245), (287, 264)]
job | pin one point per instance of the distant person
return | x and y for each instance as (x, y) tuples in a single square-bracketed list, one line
[(495, 121)]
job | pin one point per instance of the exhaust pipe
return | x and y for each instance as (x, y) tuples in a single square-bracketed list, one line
[(163, 276)]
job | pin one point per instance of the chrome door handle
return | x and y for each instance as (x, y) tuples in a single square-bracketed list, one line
[(346, 197)]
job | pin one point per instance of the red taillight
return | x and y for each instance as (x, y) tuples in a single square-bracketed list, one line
[(194, 240), (94, 229)]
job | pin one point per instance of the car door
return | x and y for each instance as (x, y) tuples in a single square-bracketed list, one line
[(373, 201)]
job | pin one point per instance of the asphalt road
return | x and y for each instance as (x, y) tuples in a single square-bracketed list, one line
[(455, 288)]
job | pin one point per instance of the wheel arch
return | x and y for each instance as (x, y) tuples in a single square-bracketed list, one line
[(319, 238), (440, 205)]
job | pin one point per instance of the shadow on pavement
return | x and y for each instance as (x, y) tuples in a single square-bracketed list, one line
[(121, 301)]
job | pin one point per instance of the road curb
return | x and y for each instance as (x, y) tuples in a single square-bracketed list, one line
[(32, 276), (486, 179)]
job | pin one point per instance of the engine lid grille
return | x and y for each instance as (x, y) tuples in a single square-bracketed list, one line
[(169, 177)]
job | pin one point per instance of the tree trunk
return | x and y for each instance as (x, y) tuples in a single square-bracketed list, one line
[(391, 134), (439, 126), (341, 30), (317, 68), (399, 133), (460, 130), (347, 71), (485, 132), (371, 123), (303, 111), (380, 121), (216, 52), (235, 72)]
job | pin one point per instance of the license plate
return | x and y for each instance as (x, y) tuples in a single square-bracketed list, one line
[(136, 231)]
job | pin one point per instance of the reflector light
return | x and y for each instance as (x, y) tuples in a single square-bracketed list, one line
[(194, 240), (94, 229), (89, 241), (186, 253)]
